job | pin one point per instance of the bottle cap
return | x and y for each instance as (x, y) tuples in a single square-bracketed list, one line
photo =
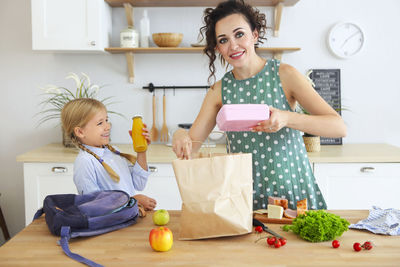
[(137, 116)]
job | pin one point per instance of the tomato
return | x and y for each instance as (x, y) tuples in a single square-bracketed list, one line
[(367, 245), (271, 240), (335, 243), (283, 241), (161, 239), (357, 246), (277, 244), (258, 229)]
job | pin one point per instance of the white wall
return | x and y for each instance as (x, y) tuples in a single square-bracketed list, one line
[(370, 81)]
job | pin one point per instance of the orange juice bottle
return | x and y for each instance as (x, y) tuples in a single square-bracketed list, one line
[(139, 141)]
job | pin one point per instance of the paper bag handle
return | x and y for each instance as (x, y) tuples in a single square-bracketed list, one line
[(208, 140)]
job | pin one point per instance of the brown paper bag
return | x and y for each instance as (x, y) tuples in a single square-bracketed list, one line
[(217, 195)]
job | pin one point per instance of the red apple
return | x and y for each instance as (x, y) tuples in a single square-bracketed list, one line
[(161, 239)]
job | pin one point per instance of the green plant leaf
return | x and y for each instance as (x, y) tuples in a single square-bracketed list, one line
[(57, 97)]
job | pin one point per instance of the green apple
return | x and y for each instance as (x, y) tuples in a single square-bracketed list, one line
[(161, 217)]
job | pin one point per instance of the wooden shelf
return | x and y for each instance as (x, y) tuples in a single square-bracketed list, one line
[(275, 51), (190, 50), (193, 3), (129, 4)]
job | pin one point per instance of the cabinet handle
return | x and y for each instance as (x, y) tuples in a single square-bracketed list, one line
[(93, 43), (153, 169), (59, 169), (367, 169)]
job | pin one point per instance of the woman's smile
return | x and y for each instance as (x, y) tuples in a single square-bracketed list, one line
[(237, 55)]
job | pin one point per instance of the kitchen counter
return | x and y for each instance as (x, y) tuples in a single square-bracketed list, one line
[(36, 246), (160, 153)]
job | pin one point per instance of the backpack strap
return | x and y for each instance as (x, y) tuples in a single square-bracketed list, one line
[(65, 236), (38, 213)]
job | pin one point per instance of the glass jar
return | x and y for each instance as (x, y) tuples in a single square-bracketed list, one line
[(129, 37), (139, 141)]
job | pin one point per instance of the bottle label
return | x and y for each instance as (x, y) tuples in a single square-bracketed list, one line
[(129, 38)]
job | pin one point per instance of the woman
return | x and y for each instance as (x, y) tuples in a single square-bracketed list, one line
[(280, 164)]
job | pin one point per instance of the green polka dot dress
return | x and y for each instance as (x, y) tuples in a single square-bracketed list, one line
[(280, 163)]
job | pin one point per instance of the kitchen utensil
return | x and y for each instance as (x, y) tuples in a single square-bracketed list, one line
[(265, 228), (164, 129), (185, 125), (167, 39), (154, 130)]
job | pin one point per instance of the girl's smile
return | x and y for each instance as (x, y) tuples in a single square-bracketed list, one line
[(96, 132)]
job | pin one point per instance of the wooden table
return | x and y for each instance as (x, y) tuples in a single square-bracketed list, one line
[(35, 246)]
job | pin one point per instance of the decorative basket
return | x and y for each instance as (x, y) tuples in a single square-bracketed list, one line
[(312, 143), (167, 39), (67, 142)]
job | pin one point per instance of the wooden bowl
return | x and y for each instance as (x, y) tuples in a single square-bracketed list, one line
[(167, 39)]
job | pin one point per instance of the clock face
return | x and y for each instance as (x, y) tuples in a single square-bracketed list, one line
[(345, 39)]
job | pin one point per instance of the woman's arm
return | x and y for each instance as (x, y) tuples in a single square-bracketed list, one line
[(323, 119), (183, 141)]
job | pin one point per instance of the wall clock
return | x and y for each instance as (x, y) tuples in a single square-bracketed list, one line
[(345, 39)]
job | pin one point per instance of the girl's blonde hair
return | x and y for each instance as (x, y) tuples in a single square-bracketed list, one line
[(77, 113)]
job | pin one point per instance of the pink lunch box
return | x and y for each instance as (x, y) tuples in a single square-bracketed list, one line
[(241, 117)]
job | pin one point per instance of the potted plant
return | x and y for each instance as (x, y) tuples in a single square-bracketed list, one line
[(56, 97)]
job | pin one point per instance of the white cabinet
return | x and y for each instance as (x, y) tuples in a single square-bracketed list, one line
[(163, 188), (359, 185), (70, 25), (42, 179)]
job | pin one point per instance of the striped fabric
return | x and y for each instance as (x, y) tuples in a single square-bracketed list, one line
[(380, 221)]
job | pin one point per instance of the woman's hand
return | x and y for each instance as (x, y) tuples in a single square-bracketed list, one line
[(182, 144), (277, 120)]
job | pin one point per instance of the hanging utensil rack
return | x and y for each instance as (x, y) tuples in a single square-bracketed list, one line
[(151, 87)]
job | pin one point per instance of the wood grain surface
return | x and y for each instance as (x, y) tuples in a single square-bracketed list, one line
[(35, 246), (264, 218)]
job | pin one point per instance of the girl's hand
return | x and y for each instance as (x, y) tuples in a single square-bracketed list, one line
[(147, 202), (146, 134), (182, 144), (277, 120)]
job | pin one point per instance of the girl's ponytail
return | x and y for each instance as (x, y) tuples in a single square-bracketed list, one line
[(129, 157)]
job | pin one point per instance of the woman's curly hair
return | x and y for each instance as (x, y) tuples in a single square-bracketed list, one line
[(253, 16)]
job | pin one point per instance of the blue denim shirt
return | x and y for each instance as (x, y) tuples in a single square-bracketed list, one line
[(90, 175)]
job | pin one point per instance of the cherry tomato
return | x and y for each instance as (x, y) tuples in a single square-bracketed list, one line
[(271, 240), (277, 244), (283, 241), (367, 245), (258, 229), (335, 243), (357, 246)]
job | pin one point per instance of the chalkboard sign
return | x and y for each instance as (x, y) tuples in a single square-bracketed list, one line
[(327, 84)]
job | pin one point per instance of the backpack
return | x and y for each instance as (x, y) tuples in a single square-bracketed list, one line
[(70, 216)]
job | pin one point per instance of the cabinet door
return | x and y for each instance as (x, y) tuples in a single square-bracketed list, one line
[(162, 187), (359, 185), (70, 24), (42, 179)]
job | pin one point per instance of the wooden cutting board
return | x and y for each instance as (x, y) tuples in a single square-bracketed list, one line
[(264, 218)]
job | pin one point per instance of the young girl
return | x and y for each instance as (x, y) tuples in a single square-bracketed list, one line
[(280, 165), (99, 166)]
